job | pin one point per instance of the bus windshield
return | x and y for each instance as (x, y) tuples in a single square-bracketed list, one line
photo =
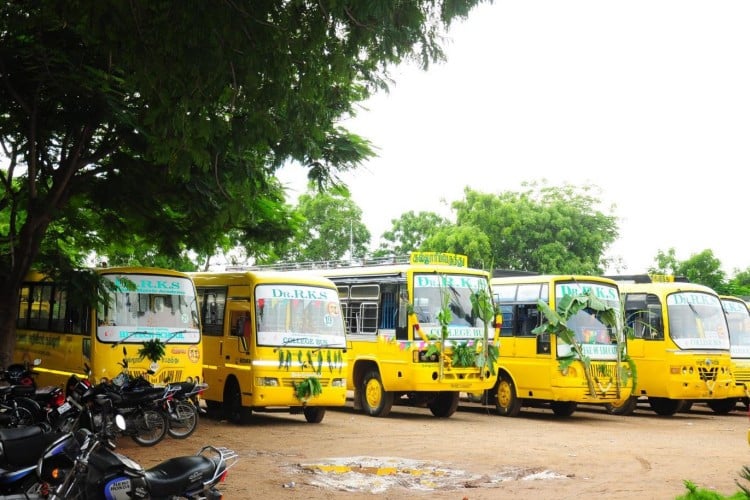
[(142, 307), (697, 321), (738, 318), (597, 340), (298, 315), (430, 292)]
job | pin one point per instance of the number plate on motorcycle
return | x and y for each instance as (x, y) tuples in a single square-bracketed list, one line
[(63, 407)]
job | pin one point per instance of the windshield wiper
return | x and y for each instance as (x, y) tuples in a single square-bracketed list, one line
[(131, 334)]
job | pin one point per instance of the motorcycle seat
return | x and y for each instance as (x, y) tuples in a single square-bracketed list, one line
[(179, 475), (23, 447)]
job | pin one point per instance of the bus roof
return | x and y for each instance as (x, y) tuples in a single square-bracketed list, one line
[(664, 288), (548, 278), (224, 278)]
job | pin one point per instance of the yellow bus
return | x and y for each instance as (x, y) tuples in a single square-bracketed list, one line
[(530, 372), (680, 346), (392, 313), (273, 342), (55, 325), (738, 320)]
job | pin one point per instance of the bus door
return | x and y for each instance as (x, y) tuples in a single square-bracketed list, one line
[(531, 354), (646, 345), (236, 357)]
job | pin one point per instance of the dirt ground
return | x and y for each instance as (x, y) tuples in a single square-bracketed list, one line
[(474, 454)]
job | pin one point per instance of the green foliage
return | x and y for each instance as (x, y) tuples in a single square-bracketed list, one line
[(167, 142), (331, 225), (483, 307), (695, 493), (546, 229), (153, 350), (464, 355), (556, 324), (408, 232), (466, 240), (307, 388)]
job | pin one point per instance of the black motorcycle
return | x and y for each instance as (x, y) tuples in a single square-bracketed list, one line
[(91, 469), (20, 451)]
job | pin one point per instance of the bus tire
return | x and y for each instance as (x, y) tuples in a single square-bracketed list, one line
[(664, 406), (563, 408), (233, 409), (445, 404), (376, 401), (314, 414), (626, 407), (722, 406), (507, 403)]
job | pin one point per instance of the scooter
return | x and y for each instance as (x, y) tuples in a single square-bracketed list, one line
[(97, 471)]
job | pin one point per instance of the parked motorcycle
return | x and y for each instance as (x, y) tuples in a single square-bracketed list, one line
[(17, 411), (20, 451), (21, 373), (182, 408), (96, 471)]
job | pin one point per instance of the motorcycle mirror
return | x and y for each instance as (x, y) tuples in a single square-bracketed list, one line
[(153, 368), (120, 422)]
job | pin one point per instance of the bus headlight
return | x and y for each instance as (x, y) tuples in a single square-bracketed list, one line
[(266, 382), (338, 382)]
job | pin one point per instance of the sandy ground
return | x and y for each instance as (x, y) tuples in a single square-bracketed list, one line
[(474, 454)]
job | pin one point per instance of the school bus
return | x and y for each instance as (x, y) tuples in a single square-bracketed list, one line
[(738, 320), (680, 346), (391, 310), (270, 339), (141, 304), (531, 373)]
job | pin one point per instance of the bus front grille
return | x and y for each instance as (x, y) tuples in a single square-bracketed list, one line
[(742, 376), (289, 382), (708, 373), (604, 376), (163, 377)]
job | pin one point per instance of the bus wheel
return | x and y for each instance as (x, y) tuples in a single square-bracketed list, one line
[(445, 404), (563, 408), (507, 403), (314, 414), (376, 401), (722, 406), (664, 406), (626, 407), (233, 409), (686, 405)]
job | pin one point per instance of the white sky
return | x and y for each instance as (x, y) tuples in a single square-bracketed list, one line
[(649, 100)]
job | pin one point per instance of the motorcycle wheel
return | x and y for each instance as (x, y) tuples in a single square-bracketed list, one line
[(183, 420), (26, 413), (150, 427)]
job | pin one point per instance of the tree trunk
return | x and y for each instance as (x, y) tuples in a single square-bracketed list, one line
[(8, 308)]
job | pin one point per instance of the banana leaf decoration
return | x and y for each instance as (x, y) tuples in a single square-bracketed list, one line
[(288, 359), (310, 360), (328, 360), (320, 362), (281, 358)]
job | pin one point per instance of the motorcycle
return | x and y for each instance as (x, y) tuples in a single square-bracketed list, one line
[(92, 469), (21, 373), (182, 408), (17, 411), (20, 450)]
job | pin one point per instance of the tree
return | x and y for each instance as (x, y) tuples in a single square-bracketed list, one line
[(703, 268), (409, 231), (666, 262), (546, 229), (331, 229), (166, 120), (464, 240)]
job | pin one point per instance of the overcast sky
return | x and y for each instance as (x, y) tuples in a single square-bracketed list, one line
[(649, 100)]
